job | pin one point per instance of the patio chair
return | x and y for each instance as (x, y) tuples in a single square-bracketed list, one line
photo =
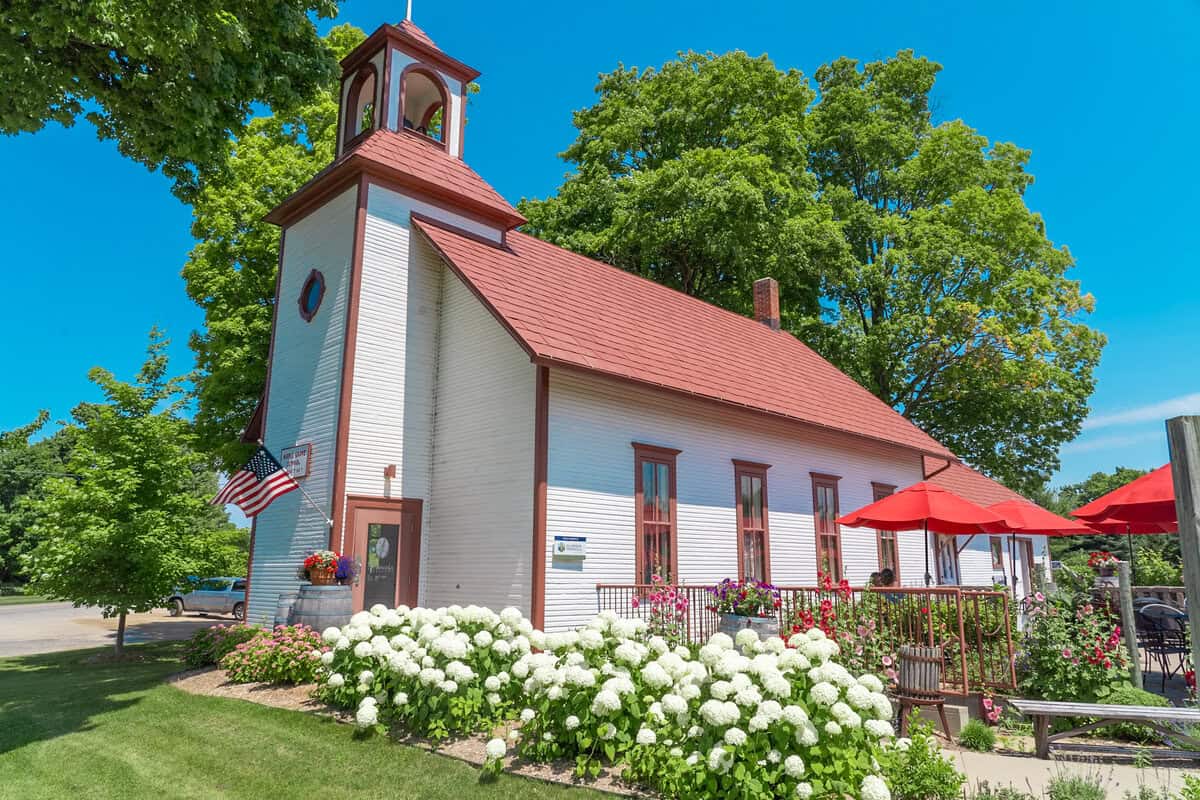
[(1165, 638)]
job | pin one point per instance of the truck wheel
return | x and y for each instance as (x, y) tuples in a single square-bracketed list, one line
[(239, 611), (175, 607)]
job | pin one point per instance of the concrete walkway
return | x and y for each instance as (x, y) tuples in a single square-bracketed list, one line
[(1031, 774), (49, 627)]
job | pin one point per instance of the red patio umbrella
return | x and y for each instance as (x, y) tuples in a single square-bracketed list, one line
[(1025, 516), (925, 506), (1150, 499)]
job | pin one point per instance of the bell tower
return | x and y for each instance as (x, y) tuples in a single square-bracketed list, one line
[(398, 79)]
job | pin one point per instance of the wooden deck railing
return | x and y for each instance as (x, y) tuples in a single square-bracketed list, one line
[(972, 626)]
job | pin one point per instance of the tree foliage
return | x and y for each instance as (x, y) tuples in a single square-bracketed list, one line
[(25, 465), (230, 273), (132, 522), (169, 82), (688, 175), (904, 248)]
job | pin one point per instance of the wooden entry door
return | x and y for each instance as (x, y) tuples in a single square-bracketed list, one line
[(387, 547)]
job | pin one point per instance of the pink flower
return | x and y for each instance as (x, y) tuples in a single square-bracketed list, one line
[(987, 703), (887, 661), (634, 602), (1066, 653), (890, 673), (1041, 598)]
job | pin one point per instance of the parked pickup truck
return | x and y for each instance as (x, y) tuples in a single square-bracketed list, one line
[(211, 596)]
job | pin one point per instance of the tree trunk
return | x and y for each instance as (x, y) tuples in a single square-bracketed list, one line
[(121, 635)]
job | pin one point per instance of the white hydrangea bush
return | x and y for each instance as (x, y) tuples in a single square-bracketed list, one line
[(744, 719), (436, 671), (747, 719)]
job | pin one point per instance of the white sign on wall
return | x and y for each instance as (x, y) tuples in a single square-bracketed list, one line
[(297, 459), (570, 546)]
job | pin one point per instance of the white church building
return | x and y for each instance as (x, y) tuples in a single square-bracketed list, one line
[(487, 418)]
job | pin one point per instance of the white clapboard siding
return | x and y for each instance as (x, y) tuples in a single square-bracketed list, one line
[(480, 513), (593, 422), (391, 406), (303, 401)]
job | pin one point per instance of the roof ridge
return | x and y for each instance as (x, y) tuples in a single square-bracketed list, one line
[(732, 315)]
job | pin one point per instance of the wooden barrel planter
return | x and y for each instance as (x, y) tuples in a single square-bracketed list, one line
[(919, 683), (283, 608), (320, 607)]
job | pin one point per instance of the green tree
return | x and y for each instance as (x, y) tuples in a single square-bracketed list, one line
[(953, 305), (133, 522), (168, 82), (230, 273), (24, 467), (694, 175), (904, 249)]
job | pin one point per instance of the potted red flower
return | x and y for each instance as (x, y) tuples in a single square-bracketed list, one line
[(1104, 562), (320, 568)]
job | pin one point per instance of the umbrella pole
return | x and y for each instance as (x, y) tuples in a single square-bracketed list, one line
[(1012, 562), (928, 576), (1132, 557)]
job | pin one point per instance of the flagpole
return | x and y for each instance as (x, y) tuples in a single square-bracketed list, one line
[(300, 486)]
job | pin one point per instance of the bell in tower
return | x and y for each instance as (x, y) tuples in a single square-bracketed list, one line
[(398, 79)]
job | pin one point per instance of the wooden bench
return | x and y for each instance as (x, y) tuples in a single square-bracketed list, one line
[(1156, 718)]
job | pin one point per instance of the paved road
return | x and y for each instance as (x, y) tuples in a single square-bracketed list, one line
[(49, 627)]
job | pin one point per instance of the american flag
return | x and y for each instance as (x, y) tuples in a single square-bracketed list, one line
[(254, 486)]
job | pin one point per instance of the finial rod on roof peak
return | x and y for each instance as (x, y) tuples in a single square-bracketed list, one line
[(408, 11)]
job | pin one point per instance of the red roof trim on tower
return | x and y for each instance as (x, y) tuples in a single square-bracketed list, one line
[(413, 39), (409, 161), (570, 311)]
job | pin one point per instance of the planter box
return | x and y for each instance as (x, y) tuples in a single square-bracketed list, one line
[(765, 626)]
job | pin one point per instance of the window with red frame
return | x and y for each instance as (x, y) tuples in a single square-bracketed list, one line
[(997, 545), (888, 543), (754, 553), (654, 491), (825, 514)]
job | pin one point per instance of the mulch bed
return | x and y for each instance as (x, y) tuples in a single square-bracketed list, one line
[(212, 682)]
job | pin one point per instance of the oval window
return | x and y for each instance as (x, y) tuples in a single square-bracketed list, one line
[(311, 295)]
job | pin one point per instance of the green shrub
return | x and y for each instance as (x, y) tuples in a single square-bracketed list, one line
[(287, 654), (920, 771), (209, 645), (1128, 731), (1145, 792), (1155, 569), (1075, 787), (1191, 788), (984, 791), (977, 735)]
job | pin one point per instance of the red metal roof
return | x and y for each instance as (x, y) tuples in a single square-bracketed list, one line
[(411, 160), (969, 483), (567, 309)]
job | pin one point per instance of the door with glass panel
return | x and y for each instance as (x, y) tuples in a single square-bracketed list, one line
[(386, 551)]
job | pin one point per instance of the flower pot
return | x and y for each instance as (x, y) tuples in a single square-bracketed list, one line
[(1107, 571), (320, 578), (764, 626)]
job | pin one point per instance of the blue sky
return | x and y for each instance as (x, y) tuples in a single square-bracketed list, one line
[(1102, 93)]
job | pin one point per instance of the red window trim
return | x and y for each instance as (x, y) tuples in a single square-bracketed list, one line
[(825, 480), (350, 135), (436, 79), (992, 542), (314, 276), (878, 492), (659, 455), (754, 470)]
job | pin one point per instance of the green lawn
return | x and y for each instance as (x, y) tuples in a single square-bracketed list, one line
[(20, 599), (70, 729)]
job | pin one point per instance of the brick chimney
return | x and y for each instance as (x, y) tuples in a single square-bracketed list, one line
[(766, 302)]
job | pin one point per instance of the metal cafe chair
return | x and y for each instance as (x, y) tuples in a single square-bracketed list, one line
[(1164, 637)]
